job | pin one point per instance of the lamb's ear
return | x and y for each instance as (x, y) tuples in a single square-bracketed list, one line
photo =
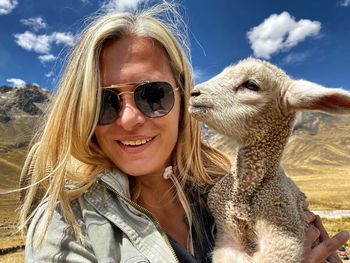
[(306, 95)]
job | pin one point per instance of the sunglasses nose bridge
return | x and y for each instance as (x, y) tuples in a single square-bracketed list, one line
[(125, 92), (127, 102)]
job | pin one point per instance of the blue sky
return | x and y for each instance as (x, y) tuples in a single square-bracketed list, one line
[(309, 39)]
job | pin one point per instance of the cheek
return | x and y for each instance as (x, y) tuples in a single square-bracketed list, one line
[(101, 133)]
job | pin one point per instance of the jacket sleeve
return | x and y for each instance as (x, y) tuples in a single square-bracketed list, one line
[(59, 245)]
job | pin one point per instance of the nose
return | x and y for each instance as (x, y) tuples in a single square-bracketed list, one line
[(195, 92), (129, 116)]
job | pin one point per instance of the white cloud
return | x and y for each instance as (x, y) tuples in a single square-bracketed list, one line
[(49, 74), (42, 43), (345, 3), (280, 32), (293, 58), (6, 6), (32, 42), (20, 83), (85, 2), (120, 5), (198, 75), (46, 58), (36, 23), (65, 38)]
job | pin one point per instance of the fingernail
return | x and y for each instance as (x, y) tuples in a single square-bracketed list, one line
[(344, 235)]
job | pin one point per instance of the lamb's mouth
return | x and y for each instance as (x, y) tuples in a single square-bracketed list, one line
[(199, 111)]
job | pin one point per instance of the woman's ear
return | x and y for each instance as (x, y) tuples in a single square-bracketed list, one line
[(306, 95)]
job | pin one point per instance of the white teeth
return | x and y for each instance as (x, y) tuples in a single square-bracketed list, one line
[(136, 143)]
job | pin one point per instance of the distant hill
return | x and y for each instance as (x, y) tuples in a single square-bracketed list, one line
[(317, 157), (320, 144), (20, 109), (318, 139)]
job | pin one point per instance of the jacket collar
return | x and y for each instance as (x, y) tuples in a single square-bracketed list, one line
[(115, 179)]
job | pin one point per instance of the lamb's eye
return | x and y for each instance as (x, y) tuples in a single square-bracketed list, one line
[(251, 85)]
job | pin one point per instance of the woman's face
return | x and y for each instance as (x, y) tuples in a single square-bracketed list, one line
[(136, 59)]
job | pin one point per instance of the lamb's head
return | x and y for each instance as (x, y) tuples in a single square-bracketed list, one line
[(254, 99)]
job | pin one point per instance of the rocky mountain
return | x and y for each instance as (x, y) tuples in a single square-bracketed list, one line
[(317, 157), (20, 109), (319, 146), (318, 139)]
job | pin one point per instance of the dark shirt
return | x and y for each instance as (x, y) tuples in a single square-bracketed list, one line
[(203, 243)]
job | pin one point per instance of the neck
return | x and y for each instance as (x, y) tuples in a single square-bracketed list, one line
[(261, 159), (159, 197)]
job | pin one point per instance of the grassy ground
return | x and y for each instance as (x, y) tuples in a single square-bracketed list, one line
[(17, 257), (336, 225), (326, 189)]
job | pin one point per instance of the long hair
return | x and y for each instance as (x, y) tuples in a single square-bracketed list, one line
[(65, 149)]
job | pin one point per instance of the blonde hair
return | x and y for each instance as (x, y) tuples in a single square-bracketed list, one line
[(66, 153)]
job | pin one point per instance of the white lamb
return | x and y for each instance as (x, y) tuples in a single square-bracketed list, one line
[(258, 209)]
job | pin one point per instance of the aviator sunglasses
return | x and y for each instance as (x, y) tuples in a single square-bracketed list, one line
[(153, 99)]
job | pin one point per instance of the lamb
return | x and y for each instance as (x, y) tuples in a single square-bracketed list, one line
[(258, 209)]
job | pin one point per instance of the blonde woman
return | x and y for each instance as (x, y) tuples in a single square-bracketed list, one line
[(119, 173)]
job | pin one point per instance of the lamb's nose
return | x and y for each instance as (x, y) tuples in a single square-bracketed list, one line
[(195, 93)]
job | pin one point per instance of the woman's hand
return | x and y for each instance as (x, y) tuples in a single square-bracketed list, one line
[(325, 251)]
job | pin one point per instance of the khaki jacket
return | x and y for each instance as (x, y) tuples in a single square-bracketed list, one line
[(115, 229)]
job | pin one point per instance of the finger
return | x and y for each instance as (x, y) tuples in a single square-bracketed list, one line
[(310, 217), (311, 235), (323, 232), (326, 249), (334, 258)]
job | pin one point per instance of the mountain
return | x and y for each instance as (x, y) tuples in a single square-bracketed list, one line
[(317, 157), (20, 108)]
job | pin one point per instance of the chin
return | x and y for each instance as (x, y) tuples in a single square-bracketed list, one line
[(141, 169)]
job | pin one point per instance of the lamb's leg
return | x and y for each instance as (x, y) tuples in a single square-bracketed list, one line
[(275, 245)]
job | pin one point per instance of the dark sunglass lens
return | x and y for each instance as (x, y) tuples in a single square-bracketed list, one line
[(109, 107), (154, 99)]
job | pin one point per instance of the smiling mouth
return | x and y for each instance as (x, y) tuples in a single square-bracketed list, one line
[(135, 143)]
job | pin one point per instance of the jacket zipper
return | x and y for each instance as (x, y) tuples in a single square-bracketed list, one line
[(145, 211)]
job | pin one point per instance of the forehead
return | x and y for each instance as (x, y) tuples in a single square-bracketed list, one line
[(133, 59)]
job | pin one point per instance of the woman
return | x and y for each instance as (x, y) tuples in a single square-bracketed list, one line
[(119, 165)]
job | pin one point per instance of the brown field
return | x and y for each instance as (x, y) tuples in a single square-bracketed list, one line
[(319, 164), (17, 257), (335, 225)]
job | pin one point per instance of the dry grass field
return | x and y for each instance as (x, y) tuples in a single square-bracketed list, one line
[(17, 257), (10, 167), (318, 162)]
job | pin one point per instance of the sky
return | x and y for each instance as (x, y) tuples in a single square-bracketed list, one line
[(308, 39)]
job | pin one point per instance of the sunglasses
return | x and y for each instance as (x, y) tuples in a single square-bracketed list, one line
[(153, 99)]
